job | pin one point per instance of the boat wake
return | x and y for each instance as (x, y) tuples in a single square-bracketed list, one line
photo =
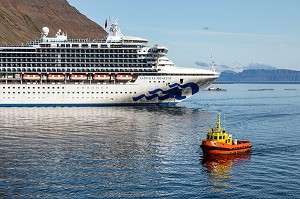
[(276, 150)]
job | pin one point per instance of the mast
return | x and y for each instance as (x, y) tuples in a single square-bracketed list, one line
[(114, 28), (219, 123), (212, 64)]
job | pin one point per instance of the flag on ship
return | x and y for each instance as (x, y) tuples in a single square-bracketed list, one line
[(105, 25)]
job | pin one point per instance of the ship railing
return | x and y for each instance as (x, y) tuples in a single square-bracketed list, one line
[(76, 70), (88, 40), (16, 46), (36, 42)]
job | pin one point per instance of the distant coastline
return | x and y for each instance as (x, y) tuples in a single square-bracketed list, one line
[(260, 76)]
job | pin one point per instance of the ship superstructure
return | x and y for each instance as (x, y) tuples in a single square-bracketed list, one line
[(116, 70)]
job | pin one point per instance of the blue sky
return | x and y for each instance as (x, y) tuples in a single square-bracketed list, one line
[(239, 33)]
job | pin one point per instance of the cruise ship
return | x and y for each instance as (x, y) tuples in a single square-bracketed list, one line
[(113, 71)]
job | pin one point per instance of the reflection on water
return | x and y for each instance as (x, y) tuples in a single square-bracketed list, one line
[(105, 152), (220, 168)]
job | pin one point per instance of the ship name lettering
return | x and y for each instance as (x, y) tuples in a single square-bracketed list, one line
[(156, 78)]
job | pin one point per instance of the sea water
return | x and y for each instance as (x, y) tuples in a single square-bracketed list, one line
[(154, 152)]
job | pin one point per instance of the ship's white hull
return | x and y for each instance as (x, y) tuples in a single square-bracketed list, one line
[(146, 90)]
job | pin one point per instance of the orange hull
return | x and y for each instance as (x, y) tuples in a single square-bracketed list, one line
[(218, 148)]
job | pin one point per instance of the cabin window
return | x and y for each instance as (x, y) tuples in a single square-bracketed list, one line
[(220, 137), (215, 137), (181, 81)]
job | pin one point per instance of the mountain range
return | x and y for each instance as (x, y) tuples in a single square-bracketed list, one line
[(260, 75)]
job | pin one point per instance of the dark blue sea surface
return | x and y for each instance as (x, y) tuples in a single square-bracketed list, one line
[(153, 152)]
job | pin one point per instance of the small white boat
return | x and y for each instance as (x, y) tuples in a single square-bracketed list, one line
[(216, 89)]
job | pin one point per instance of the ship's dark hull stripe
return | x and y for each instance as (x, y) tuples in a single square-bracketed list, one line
[(90, 105)]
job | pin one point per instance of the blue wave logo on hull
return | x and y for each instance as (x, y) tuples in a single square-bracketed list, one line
[(175, 92)]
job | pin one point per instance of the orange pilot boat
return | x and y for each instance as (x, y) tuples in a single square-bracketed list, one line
[(218, 142)]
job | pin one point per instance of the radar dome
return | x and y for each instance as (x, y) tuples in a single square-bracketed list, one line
[(45, 30)]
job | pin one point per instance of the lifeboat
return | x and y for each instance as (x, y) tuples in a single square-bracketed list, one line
[(78, 77), (218, 142), (124, 77), (56, 77), (31, 77), (101, 77)]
